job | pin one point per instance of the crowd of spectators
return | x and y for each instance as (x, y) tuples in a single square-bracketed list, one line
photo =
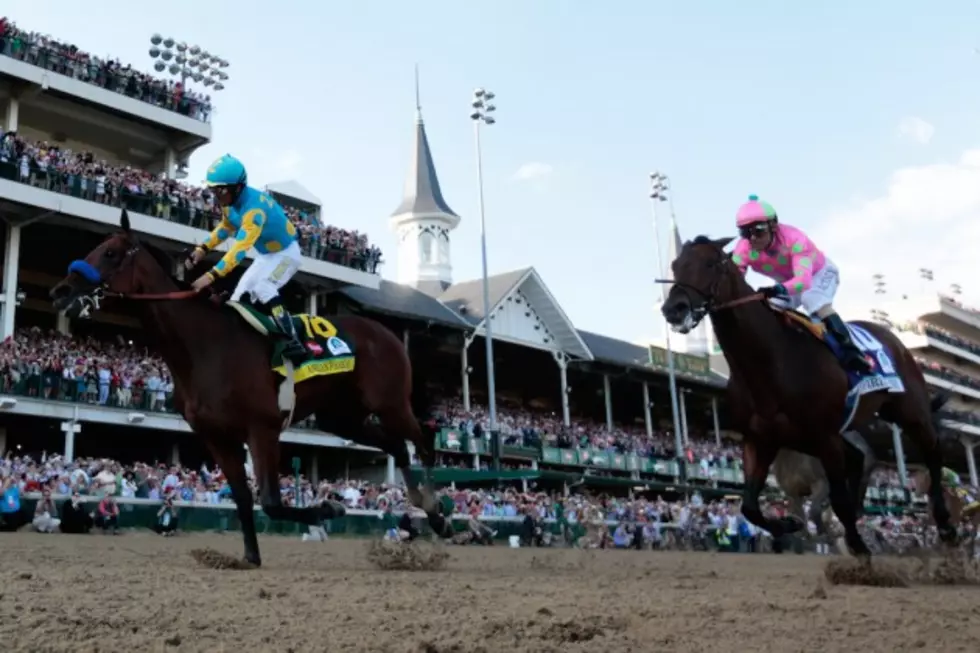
[(81, 174), (94, 485), (50, 365), (521, 427), (97, 477), (67, 59)]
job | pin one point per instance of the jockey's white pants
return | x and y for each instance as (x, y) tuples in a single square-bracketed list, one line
[(821, 293), (268, 273)]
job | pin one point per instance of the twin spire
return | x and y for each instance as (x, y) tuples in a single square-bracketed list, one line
[(422, 194)]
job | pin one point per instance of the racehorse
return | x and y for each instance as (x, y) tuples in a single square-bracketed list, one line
[(788, 389), (227, 390)]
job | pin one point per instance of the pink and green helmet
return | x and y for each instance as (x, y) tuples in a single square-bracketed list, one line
[(755, 210)]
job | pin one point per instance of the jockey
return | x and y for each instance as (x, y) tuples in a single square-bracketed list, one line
[(256, 220), (805, 276), (951, 480)]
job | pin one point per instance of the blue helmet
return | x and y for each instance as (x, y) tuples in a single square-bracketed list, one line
[(226, 171)]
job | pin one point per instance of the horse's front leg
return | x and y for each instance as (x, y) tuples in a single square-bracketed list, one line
[(756, 460)]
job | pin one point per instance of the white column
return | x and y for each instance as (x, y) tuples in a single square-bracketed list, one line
[(11, 260), (390, 472), (683, 424), (464, 370), (714, 417), (169, 162), (405, 338), (566, 412), (62, 324), (971, 462), (12, 115), (899, 455), (3, 441), (311, 306), (70, 428), (647, 417), (175, 455), (608, 396)]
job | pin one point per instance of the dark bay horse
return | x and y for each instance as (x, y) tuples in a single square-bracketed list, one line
[(788, 390), (225, 388)]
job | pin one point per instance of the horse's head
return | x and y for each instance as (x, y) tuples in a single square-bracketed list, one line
[(701, 271), (117, 266)]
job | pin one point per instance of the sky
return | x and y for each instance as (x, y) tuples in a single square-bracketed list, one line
[(858, 121)]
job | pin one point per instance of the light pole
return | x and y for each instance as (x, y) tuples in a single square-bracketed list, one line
[(189, 62), (659, 187), (482, 113)]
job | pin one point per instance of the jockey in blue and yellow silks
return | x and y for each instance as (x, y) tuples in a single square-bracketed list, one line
[(254, 220)]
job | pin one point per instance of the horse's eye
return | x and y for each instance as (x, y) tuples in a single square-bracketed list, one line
[(110, 254)]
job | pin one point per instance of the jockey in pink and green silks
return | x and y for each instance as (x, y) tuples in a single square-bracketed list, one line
[(804, 275)]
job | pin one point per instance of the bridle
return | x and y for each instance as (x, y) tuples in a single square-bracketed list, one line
[(707, 300), (92, 301)]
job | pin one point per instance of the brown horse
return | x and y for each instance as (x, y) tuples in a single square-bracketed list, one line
[(787, 389), (225, 387)]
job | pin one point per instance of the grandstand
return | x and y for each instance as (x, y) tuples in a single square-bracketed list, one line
[(575, 406), (944, 335)]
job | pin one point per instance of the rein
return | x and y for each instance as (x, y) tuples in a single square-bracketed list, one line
[(710, 305), (177, 294)]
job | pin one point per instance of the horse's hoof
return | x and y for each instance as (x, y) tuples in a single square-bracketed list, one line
[(948, 535), (791, 524)]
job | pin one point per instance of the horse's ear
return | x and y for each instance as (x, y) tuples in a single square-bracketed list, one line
[(124, 221), (722, 243)]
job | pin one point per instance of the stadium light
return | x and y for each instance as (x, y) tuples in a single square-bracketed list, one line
[(659, 192), (482, 113), (926, 274), (188, 62), (955, 289)]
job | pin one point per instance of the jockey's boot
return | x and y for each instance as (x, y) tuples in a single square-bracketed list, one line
[(854, 358), (295, 351)]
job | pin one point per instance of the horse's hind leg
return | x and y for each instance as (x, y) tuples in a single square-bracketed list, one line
[(834, 460), (399, 426), (917, 422), (264, 444)]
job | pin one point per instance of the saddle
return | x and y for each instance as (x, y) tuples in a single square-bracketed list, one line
[(794, 318)]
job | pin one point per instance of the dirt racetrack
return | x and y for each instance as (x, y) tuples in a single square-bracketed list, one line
[(140, 592)]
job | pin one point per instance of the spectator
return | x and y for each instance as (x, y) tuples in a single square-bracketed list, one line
[(74, 518), (107, 515), (66, 59), (45, 520), (11, 515), (167, 518), (51, 167)]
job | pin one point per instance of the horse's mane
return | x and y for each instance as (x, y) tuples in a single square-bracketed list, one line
[(702, 240), (165, 262)]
